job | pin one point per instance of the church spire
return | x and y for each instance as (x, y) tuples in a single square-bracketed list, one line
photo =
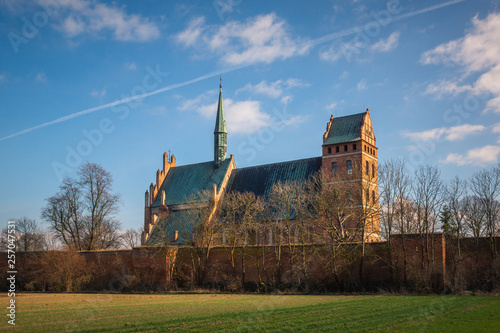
[(220, 133)]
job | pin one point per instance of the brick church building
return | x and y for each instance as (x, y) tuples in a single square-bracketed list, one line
[(349, 154)]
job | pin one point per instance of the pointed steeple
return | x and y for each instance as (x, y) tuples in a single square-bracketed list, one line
[(220, 121), (220, 133)]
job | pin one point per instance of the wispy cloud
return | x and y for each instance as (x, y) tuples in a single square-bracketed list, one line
[(41, 77), (477, 52), (98, 93), (130, 66), (272, 89), (117, 102), (361, 85), (478, 156), (455, 133), (242, 117), (78, 17), (331, 106), (260, 39), (386, 45)]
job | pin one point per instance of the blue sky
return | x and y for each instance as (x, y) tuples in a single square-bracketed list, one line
[(118, 83)]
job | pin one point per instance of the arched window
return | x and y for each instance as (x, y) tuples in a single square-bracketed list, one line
[(334, 169), (354, 146), (349, 167), (345, 147), (329, 150), (367, 168), (373, 197), (373, 170), (367, 195), (337, 149)]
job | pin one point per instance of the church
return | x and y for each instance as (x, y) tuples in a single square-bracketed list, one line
[(348, 148)]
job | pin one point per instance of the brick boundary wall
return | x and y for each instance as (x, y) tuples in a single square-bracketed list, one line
[(432, 264)]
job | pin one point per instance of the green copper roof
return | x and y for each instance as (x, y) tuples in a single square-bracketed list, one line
[(259, 179), (345, 129), (181, 220), (183, 183), (220, 122)]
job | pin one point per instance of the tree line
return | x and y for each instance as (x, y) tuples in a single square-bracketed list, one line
[(325, 221)]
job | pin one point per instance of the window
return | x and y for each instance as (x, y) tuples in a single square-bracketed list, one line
[(329, 150), (334, 169), (337, 149), (367, 195), (373, 170), (345, 147), (349, 167), (354, 146), (373, 197), (367, 168)]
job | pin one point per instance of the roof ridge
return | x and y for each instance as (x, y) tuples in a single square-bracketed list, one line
[(186, 165), (290, 161)]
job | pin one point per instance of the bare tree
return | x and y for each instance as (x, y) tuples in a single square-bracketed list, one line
[(428, 197), (198, 228), (82, 213), (131, 238), (238, 225), (485, 185), (455, 194), (101, 206)]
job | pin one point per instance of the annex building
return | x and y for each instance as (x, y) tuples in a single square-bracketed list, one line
[(348, 148)]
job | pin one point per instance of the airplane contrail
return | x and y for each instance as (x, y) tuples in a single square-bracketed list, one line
[(313, 42)]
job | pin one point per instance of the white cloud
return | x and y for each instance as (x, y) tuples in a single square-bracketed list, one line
[(272, 89), (496, 128), (293, 121), (189, 36), (331, 106), (286, 99), (82, 16), (97, 93), (455, 133), (354, 48), (446, 87), (242, 117), (261, 39), (479, 156), (477, 52), (41, 77), (361, 85), (130, 66), (386, 45)]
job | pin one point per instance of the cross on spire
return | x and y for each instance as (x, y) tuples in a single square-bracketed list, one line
[(220, 84)]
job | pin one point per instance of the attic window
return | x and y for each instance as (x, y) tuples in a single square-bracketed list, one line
[(345, 147), (354, 146), (329, 150), (337, 149)]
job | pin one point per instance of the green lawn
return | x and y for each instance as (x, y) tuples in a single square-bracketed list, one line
[(250, 313)]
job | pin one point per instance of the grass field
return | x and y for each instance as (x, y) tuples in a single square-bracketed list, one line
[(250, 313)]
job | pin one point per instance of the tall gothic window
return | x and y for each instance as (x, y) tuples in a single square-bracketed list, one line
[(334, 169), (349, 167)]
